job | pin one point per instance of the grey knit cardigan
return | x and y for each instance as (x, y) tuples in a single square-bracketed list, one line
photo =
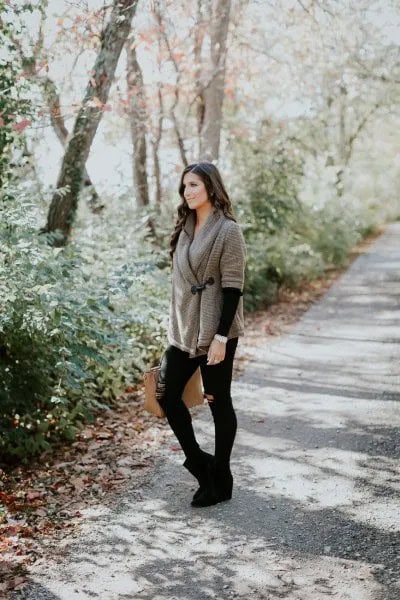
[(218, 251)]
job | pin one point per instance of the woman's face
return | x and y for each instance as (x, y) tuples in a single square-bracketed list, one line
[(195, 192)]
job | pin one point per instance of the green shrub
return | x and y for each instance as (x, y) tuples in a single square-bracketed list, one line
[(337, 230), (289, 240), (15, 107), (71, 336)]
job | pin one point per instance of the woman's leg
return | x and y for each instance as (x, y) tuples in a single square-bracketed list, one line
[(217, 388), (176, 370)]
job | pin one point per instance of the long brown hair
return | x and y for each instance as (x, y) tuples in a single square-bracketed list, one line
[(216, 192)]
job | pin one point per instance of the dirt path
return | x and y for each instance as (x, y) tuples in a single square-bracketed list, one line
[(314, 511)]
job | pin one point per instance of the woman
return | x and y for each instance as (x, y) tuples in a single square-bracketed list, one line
[(208, 255)]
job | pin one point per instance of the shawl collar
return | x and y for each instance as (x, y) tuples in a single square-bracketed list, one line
[(203, 240)]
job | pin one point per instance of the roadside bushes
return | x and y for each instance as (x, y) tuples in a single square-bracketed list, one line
[(71, 335), (292, 235), (15, 105)]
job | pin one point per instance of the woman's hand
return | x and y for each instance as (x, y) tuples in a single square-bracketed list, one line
[(216, 352)]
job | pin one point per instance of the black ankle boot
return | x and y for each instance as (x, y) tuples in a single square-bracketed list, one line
[(206, 495), (218, 489), (199, 469)]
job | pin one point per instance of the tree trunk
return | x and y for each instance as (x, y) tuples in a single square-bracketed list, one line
[(138, 116), (156, 146), (198, 44), (179, 137), (57, 121), (213, 94), (65, 200)]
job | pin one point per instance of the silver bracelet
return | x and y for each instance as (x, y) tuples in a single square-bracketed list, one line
[(220, 338)]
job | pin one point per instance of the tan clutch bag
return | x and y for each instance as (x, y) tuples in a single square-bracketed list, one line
[(192, 394)]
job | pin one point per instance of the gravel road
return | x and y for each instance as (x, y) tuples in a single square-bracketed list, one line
[(315, 508)]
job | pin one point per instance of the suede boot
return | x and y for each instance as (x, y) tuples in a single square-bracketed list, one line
[(199, 469), (218, 488), (207, 493)]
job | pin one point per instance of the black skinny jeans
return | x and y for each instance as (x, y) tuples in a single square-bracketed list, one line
[(176, 370)]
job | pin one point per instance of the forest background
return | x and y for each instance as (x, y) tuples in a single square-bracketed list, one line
[(101, 106)]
